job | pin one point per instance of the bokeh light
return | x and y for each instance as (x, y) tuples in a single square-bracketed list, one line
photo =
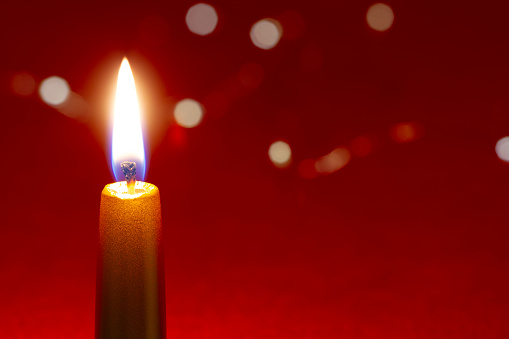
[(405, 132), (76, 107), (23, 84), (380, 17), (201, 19), (502, 149), (280, 154), (188, 113), (266, 33), (333, 161), (54, 90)]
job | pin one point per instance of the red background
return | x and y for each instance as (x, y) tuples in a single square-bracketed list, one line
[(408, 242)]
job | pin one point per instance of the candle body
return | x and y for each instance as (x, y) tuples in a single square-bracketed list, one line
[(130, 299)]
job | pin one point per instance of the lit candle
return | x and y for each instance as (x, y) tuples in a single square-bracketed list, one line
[(130, 276)]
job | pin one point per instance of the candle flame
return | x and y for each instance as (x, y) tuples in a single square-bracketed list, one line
[(127, 139)]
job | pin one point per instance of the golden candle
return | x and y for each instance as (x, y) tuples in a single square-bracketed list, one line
[(130, 299)]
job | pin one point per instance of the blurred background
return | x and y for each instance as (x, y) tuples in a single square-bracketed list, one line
[(328, 169)]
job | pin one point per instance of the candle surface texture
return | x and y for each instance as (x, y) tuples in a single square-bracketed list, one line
[(130, 276)]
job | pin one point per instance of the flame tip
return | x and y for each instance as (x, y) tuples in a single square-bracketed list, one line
[(127, 139), (125, 64)]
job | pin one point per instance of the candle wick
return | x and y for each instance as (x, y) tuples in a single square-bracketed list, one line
[(129, 169)]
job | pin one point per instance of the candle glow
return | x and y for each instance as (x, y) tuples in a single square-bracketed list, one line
[(127, 139), (130, 299)]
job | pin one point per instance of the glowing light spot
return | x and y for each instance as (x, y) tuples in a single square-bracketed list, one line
[(54, 90), (380, 17), (405, 132), (502, 149), (280, 154), (201, 19), (127, 137), (333, 161), (75, 107), (266, 33), (23, 84), (188, 113), (361, 146)]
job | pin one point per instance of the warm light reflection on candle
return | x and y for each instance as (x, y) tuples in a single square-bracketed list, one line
[(127, 139)]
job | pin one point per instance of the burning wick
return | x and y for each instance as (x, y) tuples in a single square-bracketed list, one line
[(129, 169)]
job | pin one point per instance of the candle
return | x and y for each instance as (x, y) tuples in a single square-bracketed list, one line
[(130, 276)]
